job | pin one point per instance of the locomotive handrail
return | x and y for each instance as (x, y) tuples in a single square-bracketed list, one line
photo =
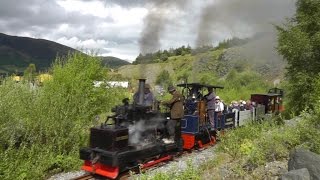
[(185, 123)]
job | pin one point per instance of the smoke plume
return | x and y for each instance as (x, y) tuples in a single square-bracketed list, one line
[(156, 21), (241, 18)]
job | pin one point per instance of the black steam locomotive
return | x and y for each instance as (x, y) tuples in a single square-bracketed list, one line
[(133, 140)]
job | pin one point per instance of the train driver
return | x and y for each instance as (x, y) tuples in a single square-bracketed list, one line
[(176, 112), (148, 96), (210, 100)]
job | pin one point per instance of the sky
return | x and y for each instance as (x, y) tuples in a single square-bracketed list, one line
[(125, 28)]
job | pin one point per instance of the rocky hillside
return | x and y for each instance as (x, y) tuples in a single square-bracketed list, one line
[(259, 54)]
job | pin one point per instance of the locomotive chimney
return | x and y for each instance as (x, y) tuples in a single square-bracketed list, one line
[(142, 83)]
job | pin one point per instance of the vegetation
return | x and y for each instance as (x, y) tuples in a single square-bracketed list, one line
[(164, 79), (161, 56), (30, 73), (42, 129), (299, 42)]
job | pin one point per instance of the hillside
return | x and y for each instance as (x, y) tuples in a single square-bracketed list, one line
[(113, 62), (16, 53), (256, 55)]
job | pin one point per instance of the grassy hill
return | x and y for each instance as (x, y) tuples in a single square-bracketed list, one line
[(255, 54), (16, 53), (243, 69)]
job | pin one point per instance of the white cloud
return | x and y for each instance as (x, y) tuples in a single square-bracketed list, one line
[(90, 44), (95, 8)]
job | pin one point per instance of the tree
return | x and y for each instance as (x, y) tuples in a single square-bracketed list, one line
[(164, 78), (30, 72), (299, 44), (164, 57)]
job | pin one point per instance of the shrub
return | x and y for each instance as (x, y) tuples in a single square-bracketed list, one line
[(42, 129)]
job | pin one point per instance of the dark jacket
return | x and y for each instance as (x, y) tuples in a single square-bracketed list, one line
[(176, 105)]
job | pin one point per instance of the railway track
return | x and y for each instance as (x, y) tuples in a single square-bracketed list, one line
[(85, 177), (123, 176)]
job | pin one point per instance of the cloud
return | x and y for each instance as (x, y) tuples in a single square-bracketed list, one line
[(78, 24), (127, 27)]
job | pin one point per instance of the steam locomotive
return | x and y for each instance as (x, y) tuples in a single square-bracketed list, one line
[(134, 139)]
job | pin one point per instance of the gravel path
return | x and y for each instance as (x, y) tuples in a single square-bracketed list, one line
[(67, 176)]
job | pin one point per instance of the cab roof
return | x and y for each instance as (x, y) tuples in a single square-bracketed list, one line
[(199, 86)]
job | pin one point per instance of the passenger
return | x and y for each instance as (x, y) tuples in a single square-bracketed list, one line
[(254, 104), (231, 105), (225, 107), (218, 105), (176, 114), (248, 105), (242, 105), (210, 100), (219, 108), (236, 106), (148, 96)]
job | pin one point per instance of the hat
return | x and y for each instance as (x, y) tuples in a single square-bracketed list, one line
[(217, 97), (171, 89), (147, 86)]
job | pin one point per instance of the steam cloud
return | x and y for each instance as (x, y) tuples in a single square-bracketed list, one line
[(241, 18), (155, 23), (140, 131)]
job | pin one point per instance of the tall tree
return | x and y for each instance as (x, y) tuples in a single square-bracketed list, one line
[(299, 43)]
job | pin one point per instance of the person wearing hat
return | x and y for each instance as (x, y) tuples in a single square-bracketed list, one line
[(148, 96), (176, 114), (219, 107), (210, 100)]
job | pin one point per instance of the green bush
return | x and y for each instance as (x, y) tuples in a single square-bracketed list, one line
[(43, 128), (257, 144), (190, 173)]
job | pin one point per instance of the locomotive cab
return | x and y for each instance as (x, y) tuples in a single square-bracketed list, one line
[(195, 126)]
